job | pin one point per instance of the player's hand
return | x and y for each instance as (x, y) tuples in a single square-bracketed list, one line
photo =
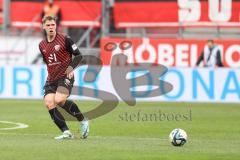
[(69, 72), (70, 75), (69, 69)]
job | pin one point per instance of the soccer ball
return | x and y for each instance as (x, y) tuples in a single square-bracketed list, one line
[(178, 137)]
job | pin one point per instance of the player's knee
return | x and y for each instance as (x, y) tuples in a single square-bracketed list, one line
[(60, 101), (49, 104)]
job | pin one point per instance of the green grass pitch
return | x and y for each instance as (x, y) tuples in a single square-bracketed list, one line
[(129, 133)]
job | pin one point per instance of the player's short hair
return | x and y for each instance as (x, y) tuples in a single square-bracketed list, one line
[(210, 41), (48, 18)]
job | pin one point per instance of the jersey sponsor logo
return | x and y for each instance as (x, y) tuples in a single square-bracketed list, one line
[(57, 47), (74, 47), (55, 63), (52, 58)]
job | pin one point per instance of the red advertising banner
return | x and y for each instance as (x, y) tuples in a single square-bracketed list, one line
[(169, 52), (74, 13), (1, 11), (23, 14), (177, 13)]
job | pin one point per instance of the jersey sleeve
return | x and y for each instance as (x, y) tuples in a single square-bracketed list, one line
[(71, 47), (40, 48), (41, 53)]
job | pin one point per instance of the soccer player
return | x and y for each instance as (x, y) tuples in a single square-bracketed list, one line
[(57, 51)]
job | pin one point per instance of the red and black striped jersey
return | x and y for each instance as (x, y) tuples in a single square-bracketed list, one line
[(58, 55)]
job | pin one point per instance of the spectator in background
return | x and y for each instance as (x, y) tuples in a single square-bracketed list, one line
[(211, 55), (52, 9)]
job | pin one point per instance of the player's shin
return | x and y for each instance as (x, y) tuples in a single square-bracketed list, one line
[(58, 119), (73, 109)]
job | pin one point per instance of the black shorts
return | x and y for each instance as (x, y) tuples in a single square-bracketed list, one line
[(51, 87)]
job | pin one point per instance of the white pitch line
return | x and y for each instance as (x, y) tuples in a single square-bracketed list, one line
[(90, 137), (18, 125)]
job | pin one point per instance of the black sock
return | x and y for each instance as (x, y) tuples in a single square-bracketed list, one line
[(58, 119), (73, 109)]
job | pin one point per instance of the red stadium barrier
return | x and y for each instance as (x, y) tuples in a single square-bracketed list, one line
[(74, 13), (157, 13), (170, 52), (1, 13), (81, 13), (23, 13)]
